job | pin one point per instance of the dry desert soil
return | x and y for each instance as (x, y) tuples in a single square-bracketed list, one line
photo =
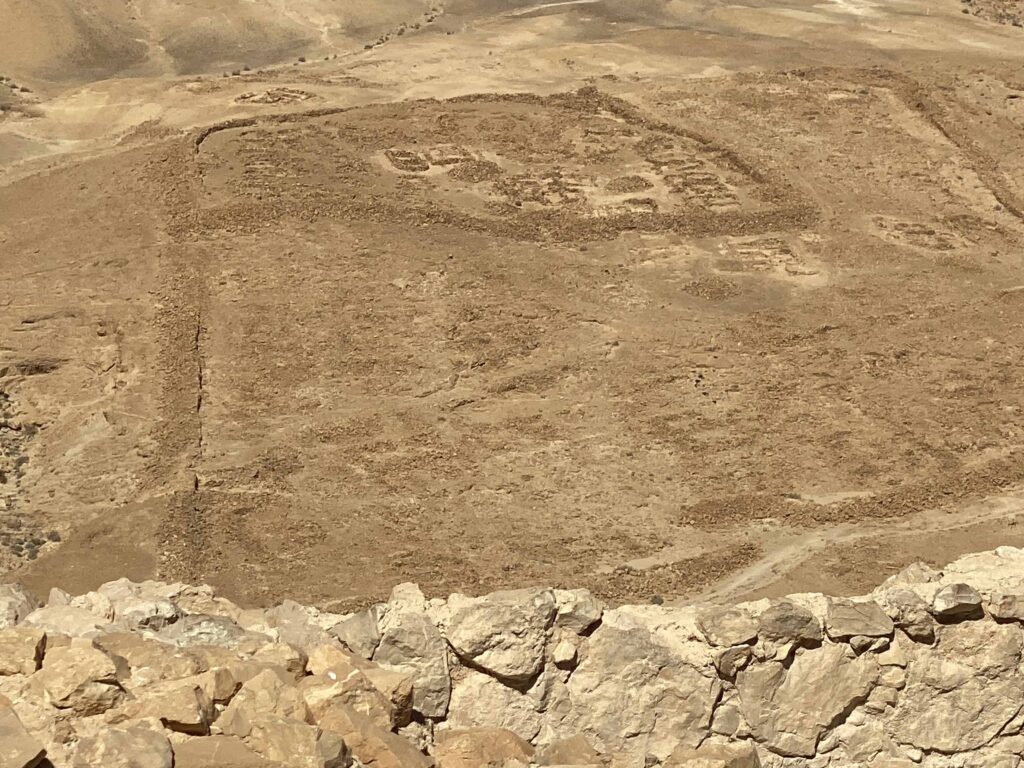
[(671, 299)]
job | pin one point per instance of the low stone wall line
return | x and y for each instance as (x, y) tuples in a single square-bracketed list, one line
[(924, 671)]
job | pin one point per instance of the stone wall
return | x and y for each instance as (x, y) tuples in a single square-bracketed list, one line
[(925, 671)]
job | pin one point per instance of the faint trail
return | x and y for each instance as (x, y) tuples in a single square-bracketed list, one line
[(802, 546)]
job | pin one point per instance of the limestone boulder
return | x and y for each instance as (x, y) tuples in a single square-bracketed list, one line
[(786, 622), (334, 668), (80, 678), (371, 745), (957, 602), (298, 626), (726, 627), (848, 618), (574, 750), (216, 631), (963, 692), (577, 610), (148, 660), (479, 700), (480, 748), (410, 642), (1004, 607), (271, 692), (638, 693), (182, 706), (219, 752), (141, 605), (711, 755), (788, 709), (504, 633), (70, 620), (359, 632), (21, 650), (296, 744), (134, 746), (18, 749), (910, 613), (16, 603)]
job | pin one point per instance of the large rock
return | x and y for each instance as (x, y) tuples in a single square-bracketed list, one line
[(574, 750), (479, 700), (847, 618), (148, 660), (71, 620), (21, 650), (82, 679), (210, 630), (359, 632), (370, 744), (297, 744), (135, 746), (480, 748), (957, 602), (727, 626), (17, 748), (959, 695), (385, 696), (577, 610), (297, 625), (637, 691), (504, 633), (789, 709), (410, 642), (15, 604), (910, 613), (271, 692), (145, 605), (219, 752), (1006, 607), (786, 622), (715, 756), (180, 705)]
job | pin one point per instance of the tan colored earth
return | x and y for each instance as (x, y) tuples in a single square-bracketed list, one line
[(666, 299)]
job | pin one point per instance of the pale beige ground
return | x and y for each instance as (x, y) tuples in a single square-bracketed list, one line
[(663, 298)]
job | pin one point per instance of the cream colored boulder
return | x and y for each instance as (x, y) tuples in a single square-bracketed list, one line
[(133, 746), (788, 709), (481, 748), (371, 745), (16, 603), (219, 752), (21, 650), (18, 749), (504, 633), (271, 692), (296, 744), (410, 642), (82, 679)]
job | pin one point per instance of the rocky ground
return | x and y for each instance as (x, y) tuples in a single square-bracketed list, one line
[(659, 299), (924, 671)]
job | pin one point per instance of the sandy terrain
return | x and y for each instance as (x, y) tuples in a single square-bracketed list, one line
[(661, 298)]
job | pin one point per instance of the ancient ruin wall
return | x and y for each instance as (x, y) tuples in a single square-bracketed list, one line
[(925, 671)]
